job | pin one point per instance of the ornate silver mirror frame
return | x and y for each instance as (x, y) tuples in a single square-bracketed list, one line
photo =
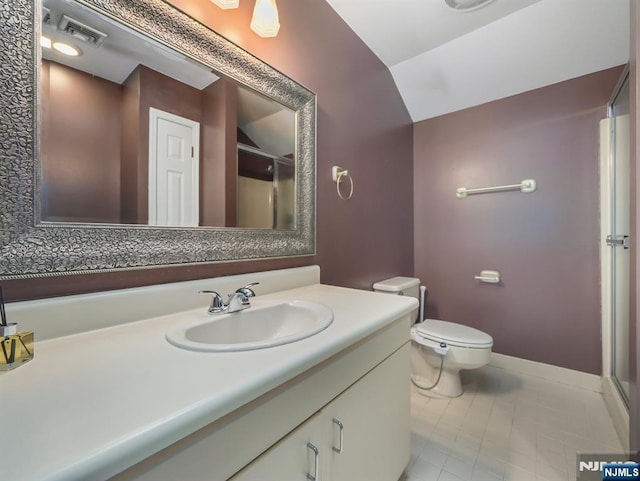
[(32, 248)]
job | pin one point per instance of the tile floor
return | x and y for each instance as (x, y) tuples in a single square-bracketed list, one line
[(508, 427)]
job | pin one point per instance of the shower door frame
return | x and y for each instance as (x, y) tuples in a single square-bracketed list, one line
[(616, 402)]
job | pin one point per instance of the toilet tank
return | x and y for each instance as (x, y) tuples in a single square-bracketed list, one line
[(402, 286)]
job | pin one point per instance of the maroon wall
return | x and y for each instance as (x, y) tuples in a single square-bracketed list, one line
[(218, 169), (362, 126), (129, 191), (97, 141), (81, 127), (544, 244)]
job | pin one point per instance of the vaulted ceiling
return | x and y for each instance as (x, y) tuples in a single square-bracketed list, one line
[(444, 60)]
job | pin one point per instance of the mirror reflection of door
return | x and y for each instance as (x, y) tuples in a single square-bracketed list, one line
[(95, 144), (173, 170)]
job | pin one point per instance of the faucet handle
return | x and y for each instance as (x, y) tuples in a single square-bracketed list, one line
[(247, 291), (217, 304)]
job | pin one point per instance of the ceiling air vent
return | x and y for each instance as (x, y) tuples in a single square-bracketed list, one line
[(46, 16), (81, 32)]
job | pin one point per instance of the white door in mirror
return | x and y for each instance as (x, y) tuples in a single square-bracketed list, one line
[(173, 170)]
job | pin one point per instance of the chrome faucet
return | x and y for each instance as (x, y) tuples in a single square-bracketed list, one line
[(237, 301)]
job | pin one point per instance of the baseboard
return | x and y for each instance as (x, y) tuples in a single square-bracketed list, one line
[(617, 410), (548, 372)]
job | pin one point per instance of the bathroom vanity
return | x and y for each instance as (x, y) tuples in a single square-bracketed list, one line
[(121, 402)]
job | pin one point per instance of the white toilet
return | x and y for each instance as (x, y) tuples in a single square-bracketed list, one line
[(439, 349)]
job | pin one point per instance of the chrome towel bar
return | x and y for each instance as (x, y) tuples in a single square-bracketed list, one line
[(526, 186)]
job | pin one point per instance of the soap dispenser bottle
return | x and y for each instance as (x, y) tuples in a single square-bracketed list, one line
[(16, 348)]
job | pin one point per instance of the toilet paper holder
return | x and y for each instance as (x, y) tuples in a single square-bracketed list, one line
[(492, 277)]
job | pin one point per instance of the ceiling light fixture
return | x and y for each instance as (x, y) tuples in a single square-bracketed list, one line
[(45, 42), (467, 5), (66, 49), (226, 4), (265, 21)]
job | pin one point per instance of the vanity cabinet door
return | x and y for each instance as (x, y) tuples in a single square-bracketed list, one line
[(298, 456), (369, 424), (363, 434)]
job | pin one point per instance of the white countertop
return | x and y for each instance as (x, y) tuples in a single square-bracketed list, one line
[(95, 400)]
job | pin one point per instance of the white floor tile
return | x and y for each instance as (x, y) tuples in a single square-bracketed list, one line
[(480, 475), (507, 427), (417, 443), (423, 470), (521, 461), (514, 473), (552, 457), (433, 454), (490, 467), (551, 473), (459, 466), (475, 427), (447, 476)]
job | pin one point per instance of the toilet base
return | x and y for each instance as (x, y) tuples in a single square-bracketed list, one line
[(448, 386), (426, 366)]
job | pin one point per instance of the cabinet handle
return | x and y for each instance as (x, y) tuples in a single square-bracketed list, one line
[(341, 426), (316, 455)]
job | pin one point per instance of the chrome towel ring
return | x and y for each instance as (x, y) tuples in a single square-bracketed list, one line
[(337, 174)]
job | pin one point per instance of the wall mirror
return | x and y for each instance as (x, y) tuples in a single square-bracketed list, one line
[(155, 142)]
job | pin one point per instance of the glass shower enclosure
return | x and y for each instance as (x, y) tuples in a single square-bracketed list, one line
[(266, 190), (617, 239)]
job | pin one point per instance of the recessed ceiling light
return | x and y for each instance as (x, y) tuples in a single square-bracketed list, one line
[(467, 5), (66, 49), (45, 42)]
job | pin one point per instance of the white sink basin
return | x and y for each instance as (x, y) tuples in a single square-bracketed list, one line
[(257, 327)]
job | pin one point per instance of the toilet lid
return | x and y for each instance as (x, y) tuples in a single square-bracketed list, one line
[(453, 334)]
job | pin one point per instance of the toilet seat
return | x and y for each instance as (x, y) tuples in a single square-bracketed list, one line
[(453, 334)]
